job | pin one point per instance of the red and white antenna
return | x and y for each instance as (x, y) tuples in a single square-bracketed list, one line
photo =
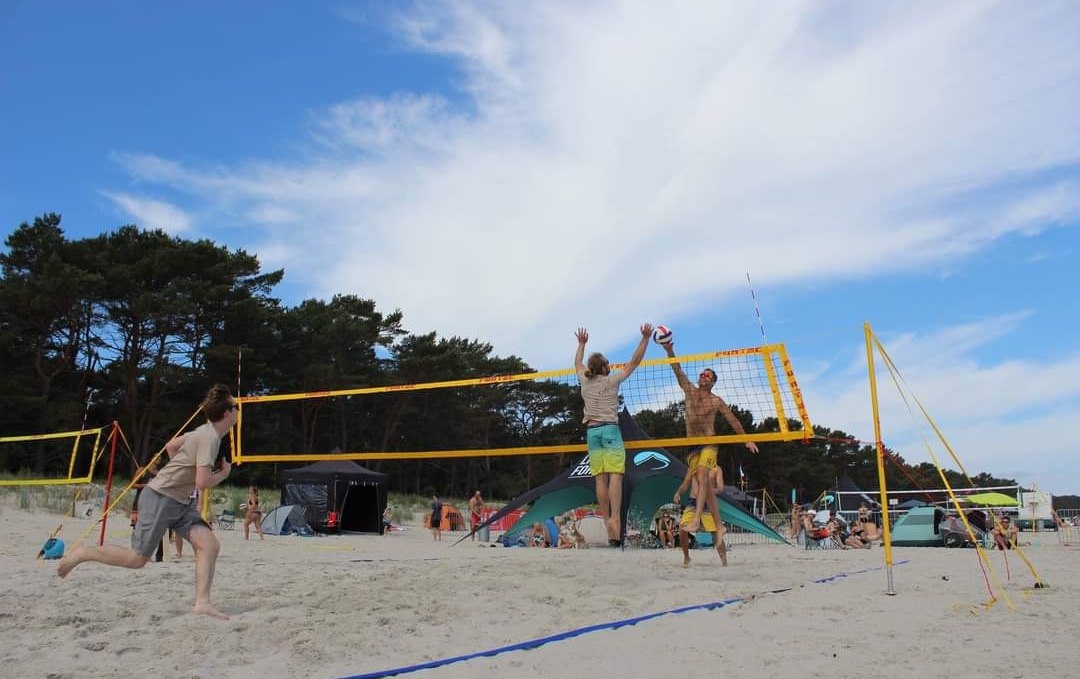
[(761, 324)]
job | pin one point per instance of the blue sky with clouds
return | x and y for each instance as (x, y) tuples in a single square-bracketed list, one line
[(510, 171)]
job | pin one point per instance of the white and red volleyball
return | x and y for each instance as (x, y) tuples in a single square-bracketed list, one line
[(661, 334)]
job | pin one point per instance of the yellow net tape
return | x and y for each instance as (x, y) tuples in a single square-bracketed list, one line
[(70, 478), (758, 379)]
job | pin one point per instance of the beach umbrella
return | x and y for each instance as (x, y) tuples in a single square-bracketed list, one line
[(990, 500)]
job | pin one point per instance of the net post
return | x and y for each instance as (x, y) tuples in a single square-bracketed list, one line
[(108, 484), (774, 385), (880, 447)]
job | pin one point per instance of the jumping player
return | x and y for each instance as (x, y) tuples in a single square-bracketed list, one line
[(701, 408), (607, 456)]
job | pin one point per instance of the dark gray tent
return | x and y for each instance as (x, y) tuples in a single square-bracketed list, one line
[(911, 504), (651, 478), (356, 494)]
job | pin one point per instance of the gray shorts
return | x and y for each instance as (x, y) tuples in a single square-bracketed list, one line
[(157, 514)]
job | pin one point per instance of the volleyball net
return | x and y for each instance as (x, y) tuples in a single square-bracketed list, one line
[(533, 413), (58, 458)]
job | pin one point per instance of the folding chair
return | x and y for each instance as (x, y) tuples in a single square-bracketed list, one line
[(226, 520), (825, 541)]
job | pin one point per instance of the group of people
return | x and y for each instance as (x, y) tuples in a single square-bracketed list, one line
[(168, 504), (568, 536), (476, 513), (607, 454), (860, 534)]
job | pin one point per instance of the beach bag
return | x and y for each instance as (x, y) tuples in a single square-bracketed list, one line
[(53, 549)]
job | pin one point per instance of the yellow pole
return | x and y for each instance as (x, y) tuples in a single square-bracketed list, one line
[(880, 460)]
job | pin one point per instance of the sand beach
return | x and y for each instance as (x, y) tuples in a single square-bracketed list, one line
[(339, 606)]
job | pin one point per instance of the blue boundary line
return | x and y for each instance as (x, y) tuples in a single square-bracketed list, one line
[(570, 634)]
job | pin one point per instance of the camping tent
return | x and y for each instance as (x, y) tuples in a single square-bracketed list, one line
[(356, 494), (920, 527), (286, 520), (651, 479), (849, 496), (450, 519)]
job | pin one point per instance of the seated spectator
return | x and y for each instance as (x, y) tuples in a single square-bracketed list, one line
[(840, 534), (813, 531), (1005, 534), (538, 537), (566, 534), (864, 514), (665, 530), (579, 538)]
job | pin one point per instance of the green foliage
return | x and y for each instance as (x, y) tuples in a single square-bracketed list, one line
[(134, 325)]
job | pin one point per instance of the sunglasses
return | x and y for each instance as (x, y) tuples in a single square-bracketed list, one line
[(235, 406)]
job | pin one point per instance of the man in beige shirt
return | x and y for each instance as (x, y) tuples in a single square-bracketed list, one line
[(166, 502)]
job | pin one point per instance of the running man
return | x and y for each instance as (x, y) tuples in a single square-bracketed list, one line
[(701, 408), (607, 456), (166, 502)]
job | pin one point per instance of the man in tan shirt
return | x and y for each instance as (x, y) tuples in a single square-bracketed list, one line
[(166, 502)]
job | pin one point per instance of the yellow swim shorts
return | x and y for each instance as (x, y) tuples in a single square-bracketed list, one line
[(707, 523), (704, 456)]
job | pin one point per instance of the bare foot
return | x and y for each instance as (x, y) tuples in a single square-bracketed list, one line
[(612, 529), (721, 549), (686, 561), (207, 609), (68, 562)]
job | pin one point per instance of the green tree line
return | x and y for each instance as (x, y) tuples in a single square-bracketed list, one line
[(133, 325)]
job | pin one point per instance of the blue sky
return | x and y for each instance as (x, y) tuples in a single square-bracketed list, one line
[(510, 171)]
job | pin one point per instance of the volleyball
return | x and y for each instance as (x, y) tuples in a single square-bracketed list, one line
[(662, 334)]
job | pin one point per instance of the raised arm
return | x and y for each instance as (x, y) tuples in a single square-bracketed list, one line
[(680, 376), (639, 352), (582, 337), (735, 424)]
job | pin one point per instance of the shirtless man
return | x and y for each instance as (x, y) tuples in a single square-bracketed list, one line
[(166, 502), (701, 408), (476, 507), (1005, 534)]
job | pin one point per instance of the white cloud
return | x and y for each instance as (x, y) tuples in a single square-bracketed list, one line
[(149, 213), (1008, 417), (606, 147)]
